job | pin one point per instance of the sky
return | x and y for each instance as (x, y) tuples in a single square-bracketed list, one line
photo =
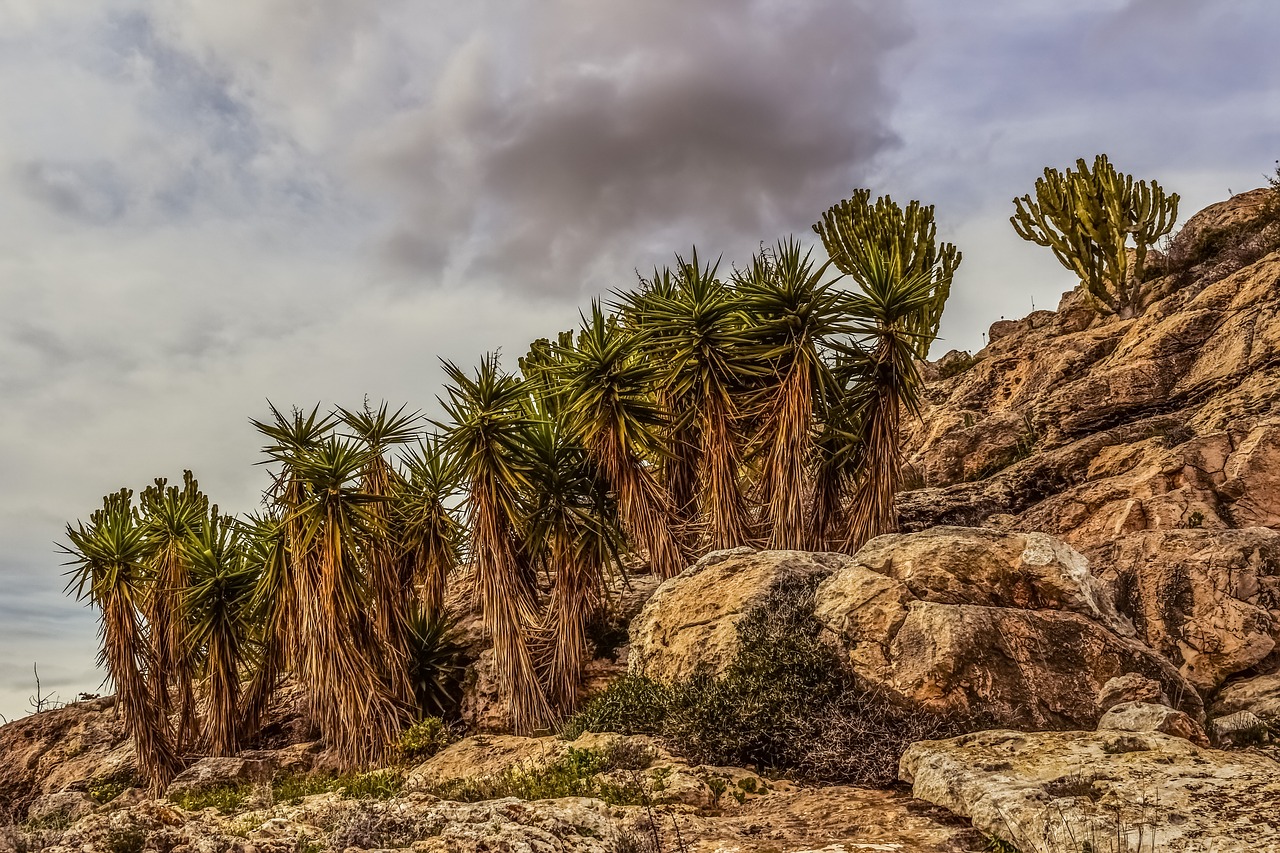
[(208, 204)]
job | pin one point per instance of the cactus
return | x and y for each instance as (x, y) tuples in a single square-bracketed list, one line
[(857, 232), (1087, 218)]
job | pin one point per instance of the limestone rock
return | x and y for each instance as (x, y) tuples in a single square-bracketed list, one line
[(220, 772), (1130, 687), (1209, 600), (1260, 695), (1146, 717), (994, 628), (1089, 427), (691, 620), (1053, 791), (1243, 728), (55, 750), (64, 806)]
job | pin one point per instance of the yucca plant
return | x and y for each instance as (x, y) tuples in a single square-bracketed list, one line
[(796, 316), (389, 576), (678, 436), (109, 560), (275, 607), (434, 668), (219, 601), (489, 421), (903, 277), (700, 335), (570, 527), (431, 536), (609, 408), (358, 711), (171, 517), (288, 585)]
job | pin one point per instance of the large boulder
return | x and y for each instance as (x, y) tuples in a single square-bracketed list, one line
[(1208, 600), (1052, 791), (993, 628), (690, 622), (1259, 695)]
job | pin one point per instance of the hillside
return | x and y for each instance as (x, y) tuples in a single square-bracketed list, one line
[(1086, 592)]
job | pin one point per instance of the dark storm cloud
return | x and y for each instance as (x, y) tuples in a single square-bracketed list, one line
[(627, 133)]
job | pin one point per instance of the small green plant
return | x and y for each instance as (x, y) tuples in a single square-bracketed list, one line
[(572, 775), (999, 845), (378, 785), (225, 798), (291, 788), (107, 788), (717, 785), (130, 839), (1196, 520), (424, 739)]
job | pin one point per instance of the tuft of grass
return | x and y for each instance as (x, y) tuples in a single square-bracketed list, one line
[(227, 799), (377, 785), (572, 775), (957, 366), (107, 788)]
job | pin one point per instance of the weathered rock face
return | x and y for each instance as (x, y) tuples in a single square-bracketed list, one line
[(1087, 428), (690, 622), (1260, 694), (1053, 791), (1208, 600), (996, 628), (54, 750)]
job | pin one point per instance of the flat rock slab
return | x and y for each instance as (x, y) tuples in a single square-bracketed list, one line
[(1111, 792)]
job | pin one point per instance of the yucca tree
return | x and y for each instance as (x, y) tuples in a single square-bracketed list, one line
[(489, 422), (610, 409), (283, 543), (570, 529), (838, 453), (389, 576), (171, 517), (903, 277), (680, 441), (701, 337), (219, 601), (431, 536), (109, 557), (796, 316), (275, 607), (358, 711)]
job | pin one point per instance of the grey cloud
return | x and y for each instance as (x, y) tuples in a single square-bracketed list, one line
[(638, 127), (93, 192)]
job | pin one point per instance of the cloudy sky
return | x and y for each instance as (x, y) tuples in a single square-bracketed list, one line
[(205, 204)]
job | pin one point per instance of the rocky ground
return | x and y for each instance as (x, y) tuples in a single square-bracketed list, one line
[(1091, 569)]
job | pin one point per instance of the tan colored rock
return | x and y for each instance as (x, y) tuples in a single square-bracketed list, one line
[(963, 565), (1052, 791), (1243, 728), (1130, 687), (690, 622), (53, 750), (1260, 695), (220, 772), (1209, 600), (1148, 717)]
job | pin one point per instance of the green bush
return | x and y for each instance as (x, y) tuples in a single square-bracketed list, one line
[(424, 739), (786, 704), (632, 705)]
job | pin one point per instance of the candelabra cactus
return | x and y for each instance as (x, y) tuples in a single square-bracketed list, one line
[(1087, 218)]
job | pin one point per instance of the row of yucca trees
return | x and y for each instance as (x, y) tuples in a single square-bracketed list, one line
[(701, 410)]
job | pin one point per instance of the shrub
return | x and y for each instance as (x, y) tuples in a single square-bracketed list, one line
[(424, 739), (785, 704), (435, 669), (631, 705)]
